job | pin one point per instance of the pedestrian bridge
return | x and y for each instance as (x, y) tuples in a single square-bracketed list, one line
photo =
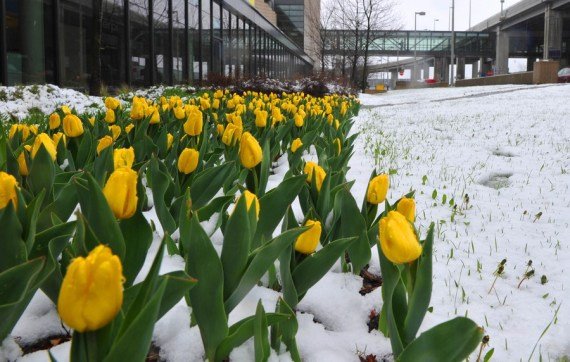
[(406, 43)]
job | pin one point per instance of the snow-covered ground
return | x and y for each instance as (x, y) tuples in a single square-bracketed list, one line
[(508, 149)]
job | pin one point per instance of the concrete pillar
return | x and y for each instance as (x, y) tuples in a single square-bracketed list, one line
[(393, 79), (426, 70), (460, 68), (475, 70), (552, 33), (441, 70), (502, 53)]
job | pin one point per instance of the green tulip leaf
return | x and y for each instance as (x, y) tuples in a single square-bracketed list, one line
[(260, 335), (203, 263), (160, 182), (208, 182), (421, 295), (273, 206), (451, 341), (138, 237), (260, 261), (315, 266), (235, 250), (14, 251), (42, 174)]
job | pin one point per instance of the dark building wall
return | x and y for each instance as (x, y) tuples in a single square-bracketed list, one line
[(144, 42)]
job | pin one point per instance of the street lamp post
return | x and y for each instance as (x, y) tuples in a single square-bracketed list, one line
[(469, 14), (420, 13), (452, 43), (434, 21)]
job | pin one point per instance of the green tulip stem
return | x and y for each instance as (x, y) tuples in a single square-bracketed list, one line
[(255, 180), (91, 341)]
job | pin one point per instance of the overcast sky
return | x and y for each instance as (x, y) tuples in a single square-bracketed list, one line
[(439, 9)]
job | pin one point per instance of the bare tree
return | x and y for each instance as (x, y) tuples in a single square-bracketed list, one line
[(318, 27), (359, 19)]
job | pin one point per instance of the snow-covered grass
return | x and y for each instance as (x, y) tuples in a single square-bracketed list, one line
[(507, 148)]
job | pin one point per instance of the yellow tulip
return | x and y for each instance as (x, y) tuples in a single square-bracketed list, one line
[(179, 113), (299, 121), (216, 104), (169, 140), (54, 121), (261, 119), (104, 143), (92, 121), (249, 151), (220, 128), (251, 199), (398, 240), (8, 185), (296, 144), (377, 189), (188, 160), (91, 293), (232, 133), (112, 103), (320, 174), (407, 207), (129, 128), (24, 129), (22, 165), (56, 137), (115, 131), (121, 192), (138, 108), (338, 145), (110, 116), (123, 157), (154, 115), (308, 241), (204, 104), (65, 110), (48, 143), (194, 123), (72, 126)]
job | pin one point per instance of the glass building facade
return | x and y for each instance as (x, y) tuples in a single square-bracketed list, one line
[(291, 19), (143, 42)]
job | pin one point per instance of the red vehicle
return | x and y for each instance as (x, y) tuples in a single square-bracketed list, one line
[(564, 75)]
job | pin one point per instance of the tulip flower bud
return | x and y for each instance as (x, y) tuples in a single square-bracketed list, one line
[(179, 113), (129, 128), (299, 120), (188, 160), (169, 140), (48, 143), (398, 240), (138, 108), (249, 151), (65, 110), (123, 157), (194, 123), (56, 137), (204, 104), (216, 104), (112, 103), (54, 121), (110, 116), (377, 189), (296, 144), (154, 115), (8, 185), (407, 207), (261, 119), (104, 143), (220, 129), (22, 165), (115, 131), (251, 199), (91, 293), (121, 192), (311, 169), (308, 241), (72, 126), (230, 137), (338, 145)]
